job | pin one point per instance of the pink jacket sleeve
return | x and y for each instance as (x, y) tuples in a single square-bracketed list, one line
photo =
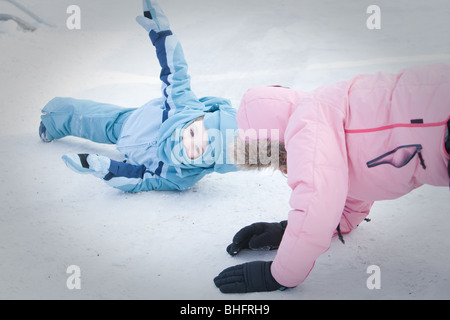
[(354, 213), (318, 176)]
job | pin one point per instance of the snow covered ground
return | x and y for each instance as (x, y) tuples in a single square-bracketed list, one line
[(170, 245)]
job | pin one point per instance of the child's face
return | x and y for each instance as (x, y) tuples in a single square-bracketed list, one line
[(195, 139)]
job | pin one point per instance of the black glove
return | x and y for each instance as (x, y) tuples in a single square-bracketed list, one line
[(257, 236), (248, 277)]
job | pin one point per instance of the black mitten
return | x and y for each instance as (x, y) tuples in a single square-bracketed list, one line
[(248, 277), (258, 236)]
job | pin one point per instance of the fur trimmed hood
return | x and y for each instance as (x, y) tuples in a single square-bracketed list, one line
[(259, 154), (262, 120)]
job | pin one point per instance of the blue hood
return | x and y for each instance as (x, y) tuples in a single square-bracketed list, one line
[(219, 118)]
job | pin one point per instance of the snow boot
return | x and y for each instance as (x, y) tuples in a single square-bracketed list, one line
[(43, 134)]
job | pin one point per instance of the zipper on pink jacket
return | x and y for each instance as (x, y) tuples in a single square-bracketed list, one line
[(384, 158)]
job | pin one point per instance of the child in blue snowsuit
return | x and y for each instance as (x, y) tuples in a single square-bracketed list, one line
[(150, 137)]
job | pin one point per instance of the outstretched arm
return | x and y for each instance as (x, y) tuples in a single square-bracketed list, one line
[(176, 83), (120, 175), (135, 178)]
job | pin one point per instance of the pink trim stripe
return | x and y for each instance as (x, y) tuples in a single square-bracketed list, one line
[(398, 125)]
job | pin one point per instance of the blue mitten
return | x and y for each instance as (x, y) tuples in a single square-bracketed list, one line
[(88, 163), (154, 18)]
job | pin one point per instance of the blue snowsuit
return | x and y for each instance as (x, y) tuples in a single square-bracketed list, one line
[(146, 135)]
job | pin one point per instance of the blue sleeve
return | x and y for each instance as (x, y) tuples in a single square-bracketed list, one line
[(135, 178), (176, 83)]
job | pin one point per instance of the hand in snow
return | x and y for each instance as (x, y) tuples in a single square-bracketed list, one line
[(248, 277), (154, 18), (88, 163), (258, 236)]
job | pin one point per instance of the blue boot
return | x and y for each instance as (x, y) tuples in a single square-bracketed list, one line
[(43, 134)]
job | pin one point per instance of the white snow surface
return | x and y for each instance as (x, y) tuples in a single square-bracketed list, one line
[(170, 245)]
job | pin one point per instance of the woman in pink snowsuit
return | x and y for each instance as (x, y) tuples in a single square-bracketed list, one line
[(348, 144)]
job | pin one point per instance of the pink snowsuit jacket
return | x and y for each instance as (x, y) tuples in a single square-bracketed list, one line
[(374, 137)]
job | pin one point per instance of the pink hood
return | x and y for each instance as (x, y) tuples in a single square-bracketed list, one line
[(259, 102)]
